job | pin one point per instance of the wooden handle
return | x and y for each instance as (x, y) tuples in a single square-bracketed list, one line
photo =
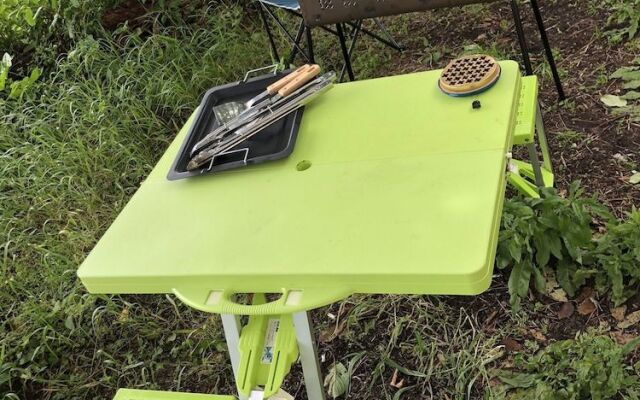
[(274, 87), (310, 72)]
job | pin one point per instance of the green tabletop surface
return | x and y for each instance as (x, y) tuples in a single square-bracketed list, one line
[(403, 195)]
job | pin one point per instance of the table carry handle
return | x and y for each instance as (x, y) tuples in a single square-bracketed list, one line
[(292, 300)]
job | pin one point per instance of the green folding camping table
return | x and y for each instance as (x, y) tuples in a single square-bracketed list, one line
[(393, 187)]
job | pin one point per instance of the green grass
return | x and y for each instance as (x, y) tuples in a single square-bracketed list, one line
[(71, 154), (568, 137), (438, 349), (77, 145)]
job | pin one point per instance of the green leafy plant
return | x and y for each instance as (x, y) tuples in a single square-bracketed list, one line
[(17, 87), (18, 16), (617, 257), (553, 232), (625, 17), (589, 367), (338, 380), (552, 238), (630, 77), (38, 31)]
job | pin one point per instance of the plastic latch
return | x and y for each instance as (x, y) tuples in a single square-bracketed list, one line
[(268, 348), (524, 129)]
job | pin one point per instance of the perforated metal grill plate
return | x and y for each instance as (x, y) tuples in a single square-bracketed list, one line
[(469, 74)]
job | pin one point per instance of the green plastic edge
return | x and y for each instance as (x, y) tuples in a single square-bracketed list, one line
[(291, 301), (135, 394), (524, 129)]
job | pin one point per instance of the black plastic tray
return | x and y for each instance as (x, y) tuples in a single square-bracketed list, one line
[(273, 143)]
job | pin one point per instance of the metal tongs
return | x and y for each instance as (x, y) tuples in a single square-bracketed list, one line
[(265, 109)]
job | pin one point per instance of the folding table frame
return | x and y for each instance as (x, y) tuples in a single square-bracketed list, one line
[(124, 261)]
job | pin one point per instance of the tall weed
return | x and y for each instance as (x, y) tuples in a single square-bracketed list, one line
[(72, 152)]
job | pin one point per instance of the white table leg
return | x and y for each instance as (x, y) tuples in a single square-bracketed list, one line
[(308, 356), (232, 327), (535, 164)]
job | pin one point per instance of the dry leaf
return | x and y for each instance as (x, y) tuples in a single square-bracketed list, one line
[(495, 382), (511, 345), (553, 288), (506, 364), (124, 315), (490, 318), (622, 338), (394, 380), (332, 332), (585, 293), (559, 295), (550, 282), (566, 310), (613, 101), (537, 335), (620, 157), (618, 313), (632, 319), (587, 307)]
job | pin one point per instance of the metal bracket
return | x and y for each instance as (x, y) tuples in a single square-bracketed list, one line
[(244, 159), (273, 67)]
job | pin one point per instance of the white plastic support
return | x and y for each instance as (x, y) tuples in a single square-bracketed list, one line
[(232, 327), (542, 140), (308, 356)]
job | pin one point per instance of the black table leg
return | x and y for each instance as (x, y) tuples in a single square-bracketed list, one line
[(345, 52), (521, 38), (547, 49), (312, 58), (265, 22)]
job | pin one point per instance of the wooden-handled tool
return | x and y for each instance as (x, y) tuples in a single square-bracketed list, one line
[(276, 86), (307, 73)]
